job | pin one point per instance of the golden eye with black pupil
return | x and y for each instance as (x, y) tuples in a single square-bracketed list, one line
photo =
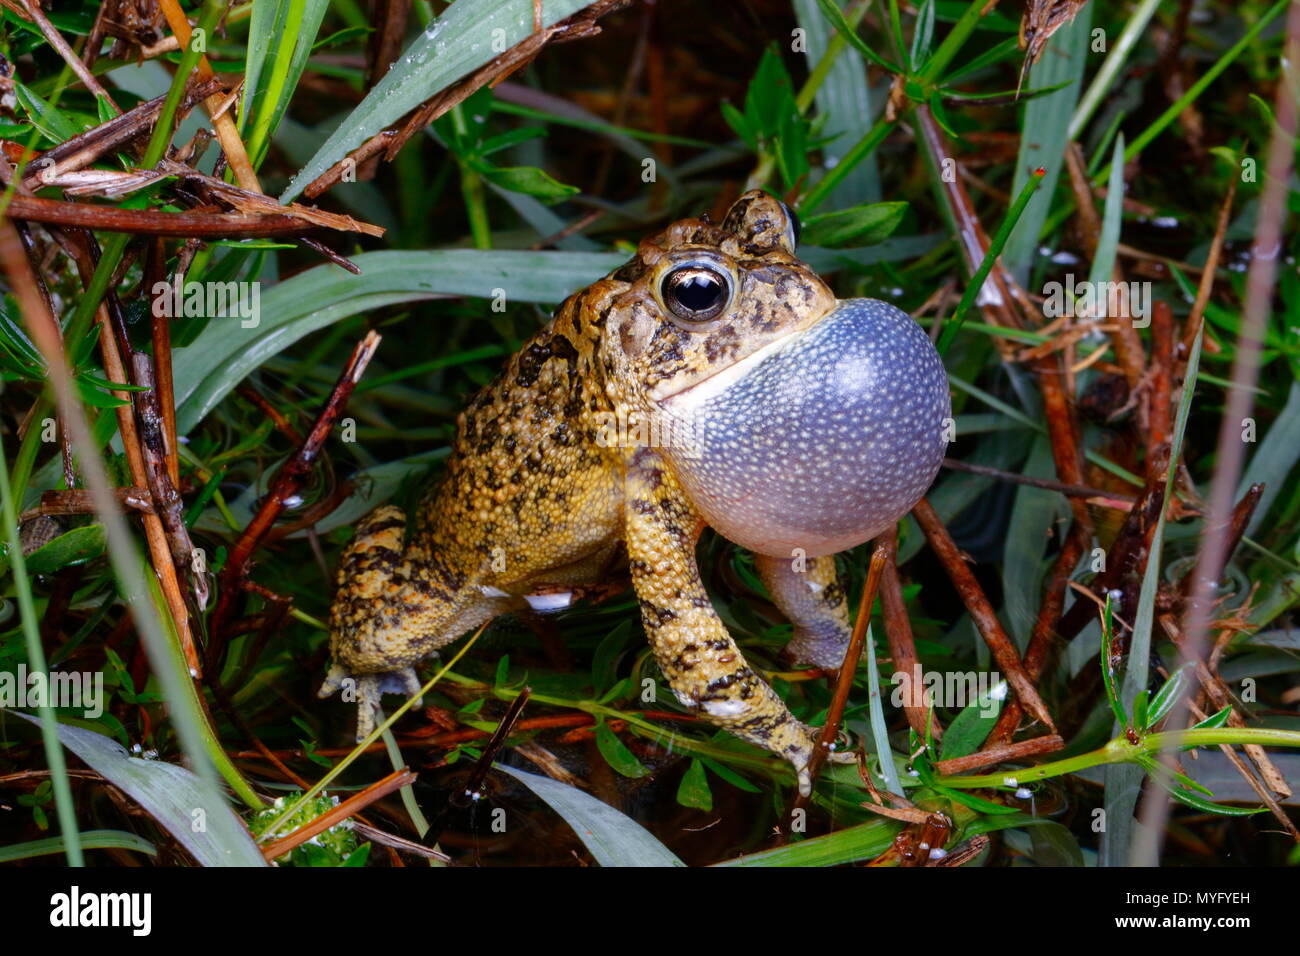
[(695, 293)]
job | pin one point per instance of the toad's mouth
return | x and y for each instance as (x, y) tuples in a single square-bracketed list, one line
[(682, 399)]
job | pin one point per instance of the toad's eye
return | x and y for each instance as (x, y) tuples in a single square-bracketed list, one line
[(695, 293)]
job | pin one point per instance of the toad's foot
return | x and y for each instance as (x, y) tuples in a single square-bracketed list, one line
[(367, 689), (796, 742), (814, 601), (822, 648)]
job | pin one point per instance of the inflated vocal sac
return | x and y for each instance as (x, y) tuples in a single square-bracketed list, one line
[(818, 442)]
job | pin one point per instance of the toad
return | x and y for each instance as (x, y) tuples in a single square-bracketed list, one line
[(714, 380)]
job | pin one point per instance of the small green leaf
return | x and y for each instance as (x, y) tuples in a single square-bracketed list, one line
[(1198, 802), (620, 689), (770, 94), (792, 147), (1140, 706), (125, 686), (358, 856), (738, 122), (694, 790), (922, 33), (54, 124), (528, 180), (835, 16), (604, 663), (862, 225), (75, 547), (729, 775), (971, 726), (96, 397), (1107, 675), (978, 804), (1214, 720), (521, 134), (1167, 695), (616, 753)]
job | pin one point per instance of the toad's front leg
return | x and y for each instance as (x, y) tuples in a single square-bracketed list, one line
[(703, 665)]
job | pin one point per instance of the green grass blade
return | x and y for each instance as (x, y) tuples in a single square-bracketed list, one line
[(280, 39), (844, 99), (1104, 82), (1103, 264), (849, 845), (1044, 135), (996, 244), (460, 41), (612, 838), (194, 813), (36, 658), (1032, 517), (879, 731), (90, 840)]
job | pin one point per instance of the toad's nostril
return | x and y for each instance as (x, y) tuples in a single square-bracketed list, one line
[(825, 442)]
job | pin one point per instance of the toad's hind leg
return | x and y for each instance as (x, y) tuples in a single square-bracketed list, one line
[(703, 665), (394, 606), (815, 603)]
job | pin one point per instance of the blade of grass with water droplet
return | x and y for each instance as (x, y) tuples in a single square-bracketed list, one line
[(467, 35), (176, 798)]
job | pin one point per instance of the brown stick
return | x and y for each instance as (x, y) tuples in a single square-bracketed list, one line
[(222, 122), (77, 501), (1127, 556), (1001, 753), (160, 552), (1233, 530), (197, 223), (167, 505), (1040, 642), (1124, 337), (1159, 401), (352, 805), (581, 24), (288, 480), (1206, 286), (844, 683), (902, 646), (384, 45), (165, 532), (161, 330), (981, 612), (60, 45), (82, 150), (1077, 491)]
